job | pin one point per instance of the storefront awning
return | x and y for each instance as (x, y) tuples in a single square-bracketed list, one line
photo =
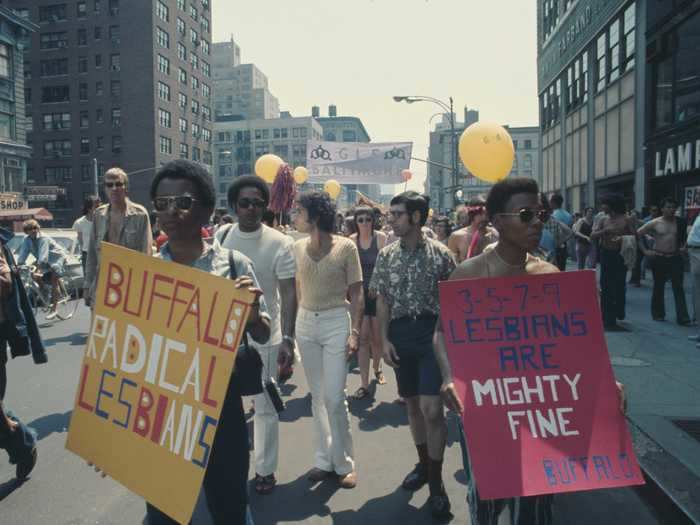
[(40, 214)]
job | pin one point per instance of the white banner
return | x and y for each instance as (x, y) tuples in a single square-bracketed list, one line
[(357, 162)]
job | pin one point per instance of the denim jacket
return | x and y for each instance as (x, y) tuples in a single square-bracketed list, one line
[(48, 253)]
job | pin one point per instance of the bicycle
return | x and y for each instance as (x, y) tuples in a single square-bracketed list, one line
[(40, 296)]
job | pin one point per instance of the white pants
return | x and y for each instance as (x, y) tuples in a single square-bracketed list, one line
[(266, 419), (322, 337)]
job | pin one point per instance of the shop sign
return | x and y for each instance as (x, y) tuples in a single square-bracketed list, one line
[(677, 159), (43, 193), (12, 201)]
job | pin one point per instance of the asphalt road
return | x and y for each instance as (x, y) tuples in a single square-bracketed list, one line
[(64, 491)]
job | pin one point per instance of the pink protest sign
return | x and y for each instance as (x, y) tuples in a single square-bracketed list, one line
[(530, 363)]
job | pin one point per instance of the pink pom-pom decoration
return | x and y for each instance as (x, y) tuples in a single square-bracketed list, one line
[(283, 190)]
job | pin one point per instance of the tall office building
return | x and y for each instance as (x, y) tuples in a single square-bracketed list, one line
[(127, 83), (240, 90)]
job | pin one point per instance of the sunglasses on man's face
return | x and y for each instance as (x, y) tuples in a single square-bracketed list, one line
[(526, 215), (364, 220), (181, 202), (117, 184), (247, 203)]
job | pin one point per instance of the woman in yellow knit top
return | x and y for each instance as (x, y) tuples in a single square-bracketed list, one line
[(327, 330)]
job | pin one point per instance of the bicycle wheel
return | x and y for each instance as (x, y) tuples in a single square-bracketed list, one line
[(65, 307)]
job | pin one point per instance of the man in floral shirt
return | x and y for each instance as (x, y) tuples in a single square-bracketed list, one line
[(405, 280)]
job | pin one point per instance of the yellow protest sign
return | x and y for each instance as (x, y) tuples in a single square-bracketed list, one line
[(154, 376)]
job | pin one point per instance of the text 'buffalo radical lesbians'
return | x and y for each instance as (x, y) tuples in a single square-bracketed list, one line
[(161, 350), (530, 363)]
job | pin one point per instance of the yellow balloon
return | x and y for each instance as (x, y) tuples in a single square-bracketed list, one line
[(332, 188), (267, 166), (486, 150), (300, 174)]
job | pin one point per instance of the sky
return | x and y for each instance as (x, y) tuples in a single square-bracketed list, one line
[(357, 54)]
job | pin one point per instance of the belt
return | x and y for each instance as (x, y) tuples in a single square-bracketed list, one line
[(425, 316)]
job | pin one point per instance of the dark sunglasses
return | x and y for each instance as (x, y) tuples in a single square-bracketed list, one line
[(110, 185), (247, 203), (182, 202), (526, 215), (363, 220)]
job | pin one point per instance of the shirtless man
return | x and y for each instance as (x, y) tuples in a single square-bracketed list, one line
[(665, 259), (121, 222), (463, 242), (513, 206)]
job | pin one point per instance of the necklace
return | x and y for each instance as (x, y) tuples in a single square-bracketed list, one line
[(514, 266)]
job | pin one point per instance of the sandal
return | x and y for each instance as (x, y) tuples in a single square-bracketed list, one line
[(381, 380), (360, 393), (264, 484)]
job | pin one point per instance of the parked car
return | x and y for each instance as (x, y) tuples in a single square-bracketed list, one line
[(68, 239)]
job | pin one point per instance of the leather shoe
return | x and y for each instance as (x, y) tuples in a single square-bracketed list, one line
[(416, 478), (440, 507), (349, 480), (316, 475)]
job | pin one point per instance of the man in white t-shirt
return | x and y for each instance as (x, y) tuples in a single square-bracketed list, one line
[(83, 226), (273, 258)]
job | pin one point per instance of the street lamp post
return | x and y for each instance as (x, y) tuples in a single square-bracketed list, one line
[(453, 134)]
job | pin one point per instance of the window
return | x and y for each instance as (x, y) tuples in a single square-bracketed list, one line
[(180, 24), (99, 88), (81, 9), (57, 148), (348, 135), (97, 35), (601, 56), (99, 116), (82, 37), (528, 144), (550, 17), (166, 145), (54, 67), (207, 158), (206, 112), (113, 7), (55, 94), (195, 83), (629, 22), (115, 34), (182, 76), (184, 153), (181, 52), (284, 132), (205, 47), (115, 88), (164, 118), (195, 130), (258, 134), (52, 13), (195, 107), (206, 134), (183, 125), (84, 119), (85, 173), (115, 62), (194, 37), (205, 25), (98, 60), (195, 153), (181, 5), (193, 12), (82, 64), (206, 90), (116, 117), (98, 6), (276, 133), (116, 144), (82, 91), (162, 11), (163, 38), (58, 174), (195, 61), (182, 100), (163, 91), (53, 40), (56, 121), (614, 45), (84, 146), (100, 144), (163, 65), (206, 70)]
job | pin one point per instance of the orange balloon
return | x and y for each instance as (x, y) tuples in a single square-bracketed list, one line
[(406, 175)]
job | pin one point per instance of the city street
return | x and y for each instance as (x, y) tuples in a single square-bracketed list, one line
[(63, 490)]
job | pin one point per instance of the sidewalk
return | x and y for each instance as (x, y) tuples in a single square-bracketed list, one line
[(660, 368)]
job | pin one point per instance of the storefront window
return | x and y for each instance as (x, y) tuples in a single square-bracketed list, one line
[(687, 81)]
